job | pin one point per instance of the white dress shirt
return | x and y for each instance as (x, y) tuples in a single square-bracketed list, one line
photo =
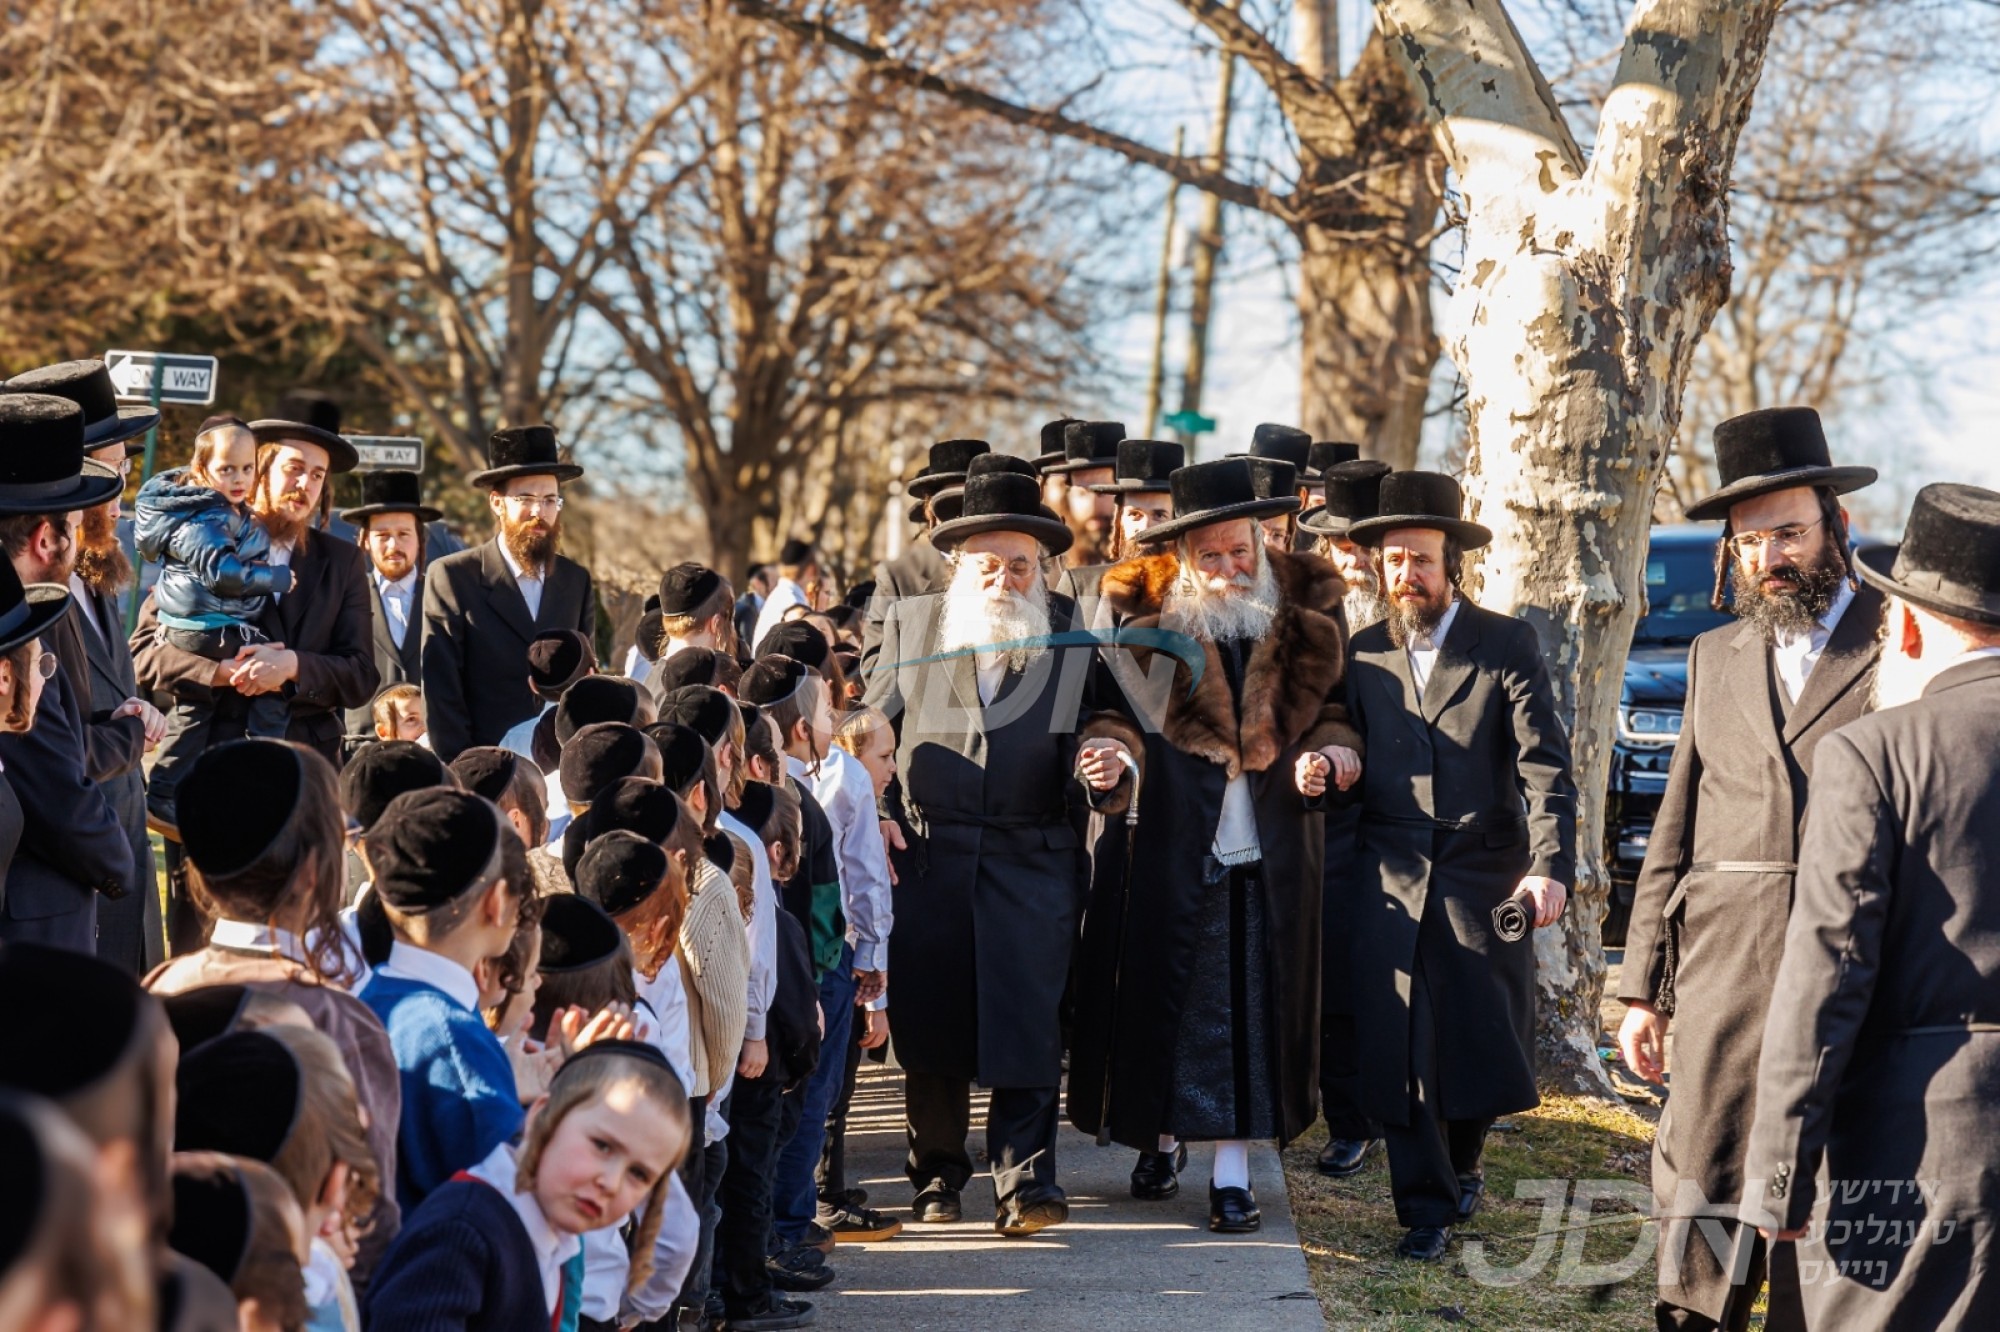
[(552, 1247), (1423, 648), (520, 737), (847, 793), (245, 936), (1796, 654), (86, 605), (784, 596), (410, 963), (280, 555), (530, 583), (397, 597), (991, 669), (762, 928)]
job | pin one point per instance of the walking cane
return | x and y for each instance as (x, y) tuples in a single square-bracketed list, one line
[(1118, 951)]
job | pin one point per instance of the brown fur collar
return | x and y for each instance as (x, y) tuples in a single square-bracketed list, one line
[(1289, 682)]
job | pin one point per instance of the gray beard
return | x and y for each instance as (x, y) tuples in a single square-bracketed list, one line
[(1364, 607)]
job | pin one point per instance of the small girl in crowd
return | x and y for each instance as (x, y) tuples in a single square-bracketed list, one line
[(215, 580), (399, 714), (498, 1247)]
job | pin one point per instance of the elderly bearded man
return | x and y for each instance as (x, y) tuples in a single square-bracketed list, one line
[(986, 716), (1198, 1017), (1468, 801)]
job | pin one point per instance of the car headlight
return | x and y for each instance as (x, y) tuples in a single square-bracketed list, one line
[(1649, 726)]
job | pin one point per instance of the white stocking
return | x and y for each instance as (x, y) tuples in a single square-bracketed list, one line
[(1232, 1165)]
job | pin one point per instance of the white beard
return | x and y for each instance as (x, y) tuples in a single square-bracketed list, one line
[(1364, 606), (1244, 609), (974, 618), (1899, 679)]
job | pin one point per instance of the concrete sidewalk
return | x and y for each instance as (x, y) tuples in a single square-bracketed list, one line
[(1118, 1264)]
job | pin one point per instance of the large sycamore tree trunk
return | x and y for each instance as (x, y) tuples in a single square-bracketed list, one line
[(1586, 285)]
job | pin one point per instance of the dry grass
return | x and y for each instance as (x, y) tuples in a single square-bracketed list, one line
[(1349, 1231)]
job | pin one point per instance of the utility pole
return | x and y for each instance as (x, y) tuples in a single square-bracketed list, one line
[(1207, 249), (1164, 298)]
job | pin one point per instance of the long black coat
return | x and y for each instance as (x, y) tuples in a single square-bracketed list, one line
[(98, 665), (1714, 894), (325, 618), (1138, 945), (918, 570), (393, 665), (1463, 793), (986, 922), (475, 643), (1880, 1064)]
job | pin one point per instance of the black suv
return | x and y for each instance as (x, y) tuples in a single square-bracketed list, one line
[(1680, 576)]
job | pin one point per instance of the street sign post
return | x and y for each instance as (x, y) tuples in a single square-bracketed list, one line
[(1189, 423), (382, 453), (157, 377)]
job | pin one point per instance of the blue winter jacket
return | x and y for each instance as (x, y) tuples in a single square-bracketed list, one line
[(214, 557)]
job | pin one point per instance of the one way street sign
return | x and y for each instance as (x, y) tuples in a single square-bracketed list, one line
[(188, 380)]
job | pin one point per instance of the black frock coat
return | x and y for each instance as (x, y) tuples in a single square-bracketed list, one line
[(393, 665)]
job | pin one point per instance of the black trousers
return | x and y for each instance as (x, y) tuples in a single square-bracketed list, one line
[(745, 1196), (1429, 1155), (831, 1178), (1020, 1133)]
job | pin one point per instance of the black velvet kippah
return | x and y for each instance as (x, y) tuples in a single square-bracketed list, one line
[(596, 698), (750, 713), (685, 586), (683, 753), (720, 849), (599, 755), (432, 847), (487, 770), (633, 804), (709, 711), (799, 641), (235, 800), (771, 679), (211, 1218), (100, 1008), (557, 659), (689, 666), (576, 934), (384, 770), (620, 870), (753, 810), (240, 1093), (24, 1183), (201, 1015), (643, 1051)]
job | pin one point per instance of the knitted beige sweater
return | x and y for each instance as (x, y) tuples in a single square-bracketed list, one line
[(715, 960)]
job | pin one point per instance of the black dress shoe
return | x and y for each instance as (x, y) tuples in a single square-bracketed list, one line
[(1233, 1211), (1342, 1157), (1034, 1208), (937, 1204), (1424, 1244), (1158, 1174), (1471, 1196)]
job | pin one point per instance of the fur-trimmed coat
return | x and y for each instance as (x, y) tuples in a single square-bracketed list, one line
[(1138, 940)]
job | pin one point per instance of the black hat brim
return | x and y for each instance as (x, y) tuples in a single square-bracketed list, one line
[(1840, 480), (1876, 565), (1053, 533), (1078, 465), (1181, 526), (46, 604), (1321, 523), (1370, 531), (500, 476), (1047, 462), (340, 455), (424, 512), (1159, 487), (930, 483), (96, 484), (128, 427)]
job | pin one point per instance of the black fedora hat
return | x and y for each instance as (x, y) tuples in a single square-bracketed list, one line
[(88, 385), (1949, 558), (948, 460), (1089, 444), (1003, 501), (391, 492), (1420, 499), (1285, 443), (1327, 454), (1775, 448), (308, 416), (523, 451), (42, 467), (1215, 492), (1052, 442), (26, 611), (1143, 467), (1353, 492)]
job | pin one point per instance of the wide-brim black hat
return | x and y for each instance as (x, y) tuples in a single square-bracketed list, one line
[(1144, 468), (26, 612), (88, 385), (391, 492), (948, 460), (340, 455), (1353, 492), (1327, 454), (42, 467), (1949, 558), (1420, 499), (1215, 492), (1088, 445), (1003, 502), (1776, 448), (1282, 442), (523, 451), (1052, 442)]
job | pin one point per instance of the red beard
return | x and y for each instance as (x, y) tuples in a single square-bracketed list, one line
[(532, 543)]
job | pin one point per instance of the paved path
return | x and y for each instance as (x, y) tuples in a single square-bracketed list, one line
[(1118, 1264)]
